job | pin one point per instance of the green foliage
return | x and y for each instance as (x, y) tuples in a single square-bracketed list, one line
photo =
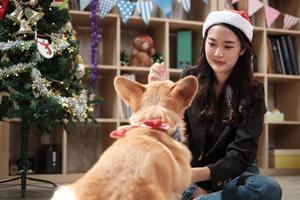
[(50, 97)]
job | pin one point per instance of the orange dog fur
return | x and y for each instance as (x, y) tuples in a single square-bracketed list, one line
[(146, 164)]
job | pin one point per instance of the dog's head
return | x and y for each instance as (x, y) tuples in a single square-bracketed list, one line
[(160, 99)]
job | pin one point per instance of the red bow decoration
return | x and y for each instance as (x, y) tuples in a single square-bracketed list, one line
[(156, 123), (3, 8), (149, 123), (120, 132)]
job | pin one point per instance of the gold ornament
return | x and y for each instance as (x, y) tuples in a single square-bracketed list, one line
[(33, 2), (16, 15), (33, 16), (80, 68), (24, 28), (24, 9)]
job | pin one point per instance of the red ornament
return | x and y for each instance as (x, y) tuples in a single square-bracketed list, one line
[(3, 8)]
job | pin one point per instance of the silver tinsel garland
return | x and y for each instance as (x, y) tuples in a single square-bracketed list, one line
[(14, 70), (24, 45), (76, 105), (59, 41)]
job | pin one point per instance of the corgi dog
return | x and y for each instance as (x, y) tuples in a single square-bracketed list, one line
[(148, 161)]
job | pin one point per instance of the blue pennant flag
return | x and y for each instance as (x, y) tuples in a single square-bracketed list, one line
[(105, 6), (84, 3), (144, 8), (126, 8), (206, 1), (166, 6), (186, 4)]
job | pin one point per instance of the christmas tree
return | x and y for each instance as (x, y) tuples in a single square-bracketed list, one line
[(40, 70)]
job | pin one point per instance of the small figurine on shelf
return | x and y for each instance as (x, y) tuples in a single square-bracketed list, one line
[(142, 52), (124, 58), (157, 58), (274, 116)]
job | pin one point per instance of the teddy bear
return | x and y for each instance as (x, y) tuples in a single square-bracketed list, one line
[(142, 51)]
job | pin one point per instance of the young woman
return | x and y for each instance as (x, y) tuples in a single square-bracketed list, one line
[(225, 120)]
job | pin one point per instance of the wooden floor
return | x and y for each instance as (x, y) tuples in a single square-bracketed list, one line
[(289, 184)]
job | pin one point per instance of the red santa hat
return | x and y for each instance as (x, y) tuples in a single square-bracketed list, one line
[(238, 19)]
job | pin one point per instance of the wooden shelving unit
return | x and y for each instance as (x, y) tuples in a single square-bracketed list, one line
[(81, 148)]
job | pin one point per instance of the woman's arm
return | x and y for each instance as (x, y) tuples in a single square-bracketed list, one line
[(242, 151), (200, 174)]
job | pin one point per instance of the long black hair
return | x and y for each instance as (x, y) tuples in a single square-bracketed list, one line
[(239, 87)]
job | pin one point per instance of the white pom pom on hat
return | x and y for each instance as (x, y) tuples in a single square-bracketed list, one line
[(238, 19)]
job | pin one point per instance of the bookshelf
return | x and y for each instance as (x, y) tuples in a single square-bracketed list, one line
[(82, 146)]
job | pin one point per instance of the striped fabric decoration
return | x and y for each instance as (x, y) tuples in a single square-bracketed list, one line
[(186, 4), (145, 9), (289, 21), (105, 6)]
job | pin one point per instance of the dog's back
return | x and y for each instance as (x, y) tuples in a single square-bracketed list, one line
[(147, 163)]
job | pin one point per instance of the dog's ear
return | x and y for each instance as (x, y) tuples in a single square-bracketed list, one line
[(184, 91), (130, 91)]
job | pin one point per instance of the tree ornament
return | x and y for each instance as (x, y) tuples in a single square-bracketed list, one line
[(44, 45), (17, 14), (80, 68), (24, 28), (33, 16), (25, 9), (33, 2)]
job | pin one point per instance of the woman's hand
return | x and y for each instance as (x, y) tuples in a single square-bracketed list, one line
[(199, 191), (157, 72)]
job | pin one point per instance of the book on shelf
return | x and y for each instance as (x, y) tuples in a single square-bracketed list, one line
[(285, 55), (292, 53), (270, 58), (282, 54), (275, 58)]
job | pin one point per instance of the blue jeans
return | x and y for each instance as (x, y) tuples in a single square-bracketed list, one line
[(249, 186)]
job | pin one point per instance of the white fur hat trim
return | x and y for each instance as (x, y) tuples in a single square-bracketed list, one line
[(229, 17)]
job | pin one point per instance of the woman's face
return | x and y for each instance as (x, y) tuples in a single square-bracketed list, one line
[(222, 48)]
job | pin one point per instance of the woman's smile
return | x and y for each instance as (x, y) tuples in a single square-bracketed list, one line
[(218, 62)]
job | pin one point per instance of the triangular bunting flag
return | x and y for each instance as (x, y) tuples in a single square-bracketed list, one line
[(186, 4), (144, 8), (254, 6), (165, 6), (289, 21), (126, 8), (105, 6), (271, 15), (84, 3), (235, 1)]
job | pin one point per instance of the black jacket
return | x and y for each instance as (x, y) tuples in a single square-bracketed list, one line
[(226, 149)]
